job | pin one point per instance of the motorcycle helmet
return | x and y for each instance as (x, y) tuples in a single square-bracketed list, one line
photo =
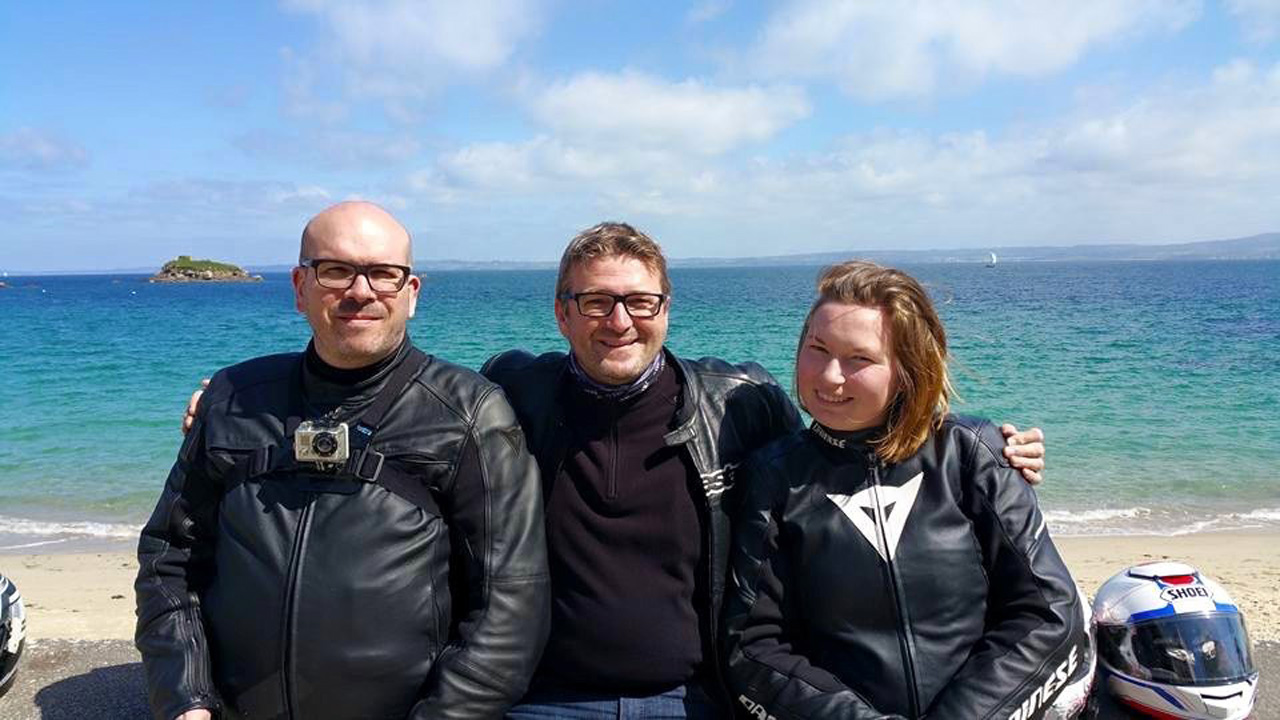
[(13, 632), (1173, 644)]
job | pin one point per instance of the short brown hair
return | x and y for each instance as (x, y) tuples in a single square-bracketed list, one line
[(611, 239), (918, 345)]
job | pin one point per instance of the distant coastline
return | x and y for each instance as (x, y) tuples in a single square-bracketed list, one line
[(1255, 247)]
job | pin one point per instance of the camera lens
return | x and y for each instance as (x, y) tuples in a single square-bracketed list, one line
[(324, 443)]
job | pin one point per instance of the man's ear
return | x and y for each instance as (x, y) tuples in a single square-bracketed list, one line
[(415, 286), (561, 309), (299, 277)]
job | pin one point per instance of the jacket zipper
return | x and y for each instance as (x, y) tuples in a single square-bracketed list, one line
[(709, 540), (904, 642), (203, 692), (713, 613), (286, 627)]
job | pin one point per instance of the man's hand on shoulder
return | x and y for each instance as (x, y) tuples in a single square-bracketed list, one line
[(198, 713), (189, 418), (1025, 451)]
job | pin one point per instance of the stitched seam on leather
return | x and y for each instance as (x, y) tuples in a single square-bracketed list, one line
[(1026, 560)]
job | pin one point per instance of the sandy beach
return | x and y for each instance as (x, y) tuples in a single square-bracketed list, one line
[(89, 596), (80, 614), (1246, 564)]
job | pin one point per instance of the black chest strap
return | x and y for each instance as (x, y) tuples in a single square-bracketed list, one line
[(364, 463)]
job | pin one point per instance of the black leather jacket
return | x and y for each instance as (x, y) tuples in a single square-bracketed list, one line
[(727, 412), (926, 588), (296, 594)]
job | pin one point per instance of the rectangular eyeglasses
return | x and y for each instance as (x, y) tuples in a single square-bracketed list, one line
[(599, 304), (341, 275)]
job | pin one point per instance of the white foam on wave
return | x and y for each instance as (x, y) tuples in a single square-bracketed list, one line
[(1146, 521), (38, 543), (1094, 517), (1214, 523), (25, 526), (1263, 514), (1261, 517)]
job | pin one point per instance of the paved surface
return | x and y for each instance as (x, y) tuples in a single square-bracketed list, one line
[(63, 679)]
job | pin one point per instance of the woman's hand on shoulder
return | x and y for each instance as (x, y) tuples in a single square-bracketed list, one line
[(1025, 451), (189, 417)]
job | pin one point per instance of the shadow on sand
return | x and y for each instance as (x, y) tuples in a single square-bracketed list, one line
[(116, 691)]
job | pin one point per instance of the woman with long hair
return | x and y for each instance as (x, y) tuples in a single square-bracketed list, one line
[(888, 561)]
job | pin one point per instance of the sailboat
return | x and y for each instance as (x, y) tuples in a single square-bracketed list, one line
[(992, 259)]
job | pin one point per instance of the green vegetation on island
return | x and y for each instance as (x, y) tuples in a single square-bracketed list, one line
[(185, 269)]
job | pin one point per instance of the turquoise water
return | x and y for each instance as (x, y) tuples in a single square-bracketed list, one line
[(1155, 382)]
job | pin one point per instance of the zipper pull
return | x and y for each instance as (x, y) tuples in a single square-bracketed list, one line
[(873, 464)]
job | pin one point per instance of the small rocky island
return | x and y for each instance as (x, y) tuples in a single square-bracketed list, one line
[(185, 270)]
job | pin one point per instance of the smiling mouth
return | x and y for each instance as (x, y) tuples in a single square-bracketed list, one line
[(831, 399), (614, 344)]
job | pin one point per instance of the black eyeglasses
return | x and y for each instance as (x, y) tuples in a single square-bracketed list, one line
[(598, 304), (339, 275)]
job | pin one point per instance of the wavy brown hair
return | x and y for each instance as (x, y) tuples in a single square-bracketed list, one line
[(917, 341), (612, 239)]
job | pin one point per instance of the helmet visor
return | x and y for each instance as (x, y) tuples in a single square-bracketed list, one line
[(1208, 649)]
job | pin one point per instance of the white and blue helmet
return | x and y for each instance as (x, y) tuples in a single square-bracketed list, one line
[(1173, 644), (13, 632)]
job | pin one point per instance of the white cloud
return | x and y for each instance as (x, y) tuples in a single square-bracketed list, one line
[(402, 51), (627, 140), (1227, 130), (495, 165), (1177, 164), (233, 201), (1260, 19), (475, 35), (690, 116), (549, 171), (1180, 163), (305, 193), (40, 151), (910, 48)]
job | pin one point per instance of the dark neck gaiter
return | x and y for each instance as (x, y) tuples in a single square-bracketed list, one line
[(617, 393)]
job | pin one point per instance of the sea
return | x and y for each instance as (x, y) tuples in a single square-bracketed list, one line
[(1156, 383)]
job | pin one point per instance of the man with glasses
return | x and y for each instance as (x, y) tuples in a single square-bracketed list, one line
[(636, 448), (351, 531)]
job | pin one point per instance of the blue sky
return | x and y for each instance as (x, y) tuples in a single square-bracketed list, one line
[(495, 129)]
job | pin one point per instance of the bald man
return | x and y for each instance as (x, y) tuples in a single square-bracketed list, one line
[(351, 531)]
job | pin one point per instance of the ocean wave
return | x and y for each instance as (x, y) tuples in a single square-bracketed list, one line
[(1266, 514), (25, 526), (1159, 521), (1261, 517), (1085, 517)]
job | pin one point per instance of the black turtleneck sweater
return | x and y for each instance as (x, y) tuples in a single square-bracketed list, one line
[(352, 376), (626, 549), (329, 390)]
